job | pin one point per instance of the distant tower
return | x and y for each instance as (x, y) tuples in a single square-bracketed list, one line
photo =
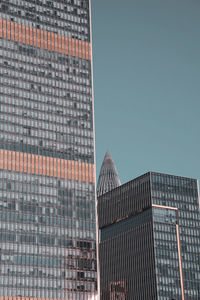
[(108, 177)]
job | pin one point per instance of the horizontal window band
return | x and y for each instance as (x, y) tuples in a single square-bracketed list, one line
[(44, 39), (46, 166)]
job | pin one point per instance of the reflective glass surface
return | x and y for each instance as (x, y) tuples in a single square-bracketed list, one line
[(47, 177)]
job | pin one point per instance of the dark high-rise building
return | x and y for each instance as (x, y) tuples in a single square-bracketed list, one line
[(108, 177), (47, 173), (149, 239)]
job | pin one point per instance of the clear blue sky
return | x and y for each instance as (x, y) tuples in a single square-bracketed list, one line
[(147, 85)]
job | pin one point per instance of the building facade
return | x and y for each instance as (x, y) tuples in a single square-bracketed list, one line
[(149, 239), (47, 173)]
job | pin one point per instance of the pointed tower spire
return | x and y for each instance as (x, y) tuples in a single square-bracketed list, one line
[(108, 177)]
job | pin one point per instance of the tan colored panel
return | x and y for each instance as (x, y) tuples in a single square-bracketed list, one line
[(44, 39), (46, 166)]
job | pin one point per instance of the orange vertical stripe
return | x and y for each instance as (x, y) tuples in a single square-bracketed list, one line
[(45, 40), (86, 172), (4, 28), (13, 160), (51, 166), (33, 164), (55, 167), (21, 163), (29, 163), (83, 171), (38, 38), (49, 41), (52, 41), (8, 29), (40, 164), (58, 167), (25, 162), (16, 32), (80, 49), (20, 33), (12, 31), (1, 28), (31, 35), (9, 160), (41, 38), (36, 164), (59, 43), (77, 48), (66, 46), (34, 37), (17, 161), (63, 44), (27, 35), (73, 47), (24, 34), (70, 46), (62, 175), (69, 169), (56, 42), (66, 169), (86, 50), (47, 162), (6, 159), (79, 171), (44, 166), (83, 49)]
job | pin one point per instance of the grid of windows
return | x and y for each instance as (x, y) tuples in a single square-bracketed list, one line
[(47, 176), (150, 225)]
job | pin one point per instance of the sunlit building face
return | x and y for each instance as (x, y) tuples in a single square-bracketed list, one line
[(47, 177)]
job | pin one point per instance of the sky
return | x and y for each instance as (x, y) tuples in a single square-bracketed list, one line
[(146, 59)]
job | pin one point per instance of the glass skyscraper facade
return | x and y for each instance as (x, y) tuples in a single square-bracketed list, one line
[(149, 239), (47, 173)]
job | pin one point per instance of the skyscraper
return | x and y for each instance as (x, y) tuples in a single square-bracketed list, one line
[(108, 177), (47, 173), (149, 239)]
